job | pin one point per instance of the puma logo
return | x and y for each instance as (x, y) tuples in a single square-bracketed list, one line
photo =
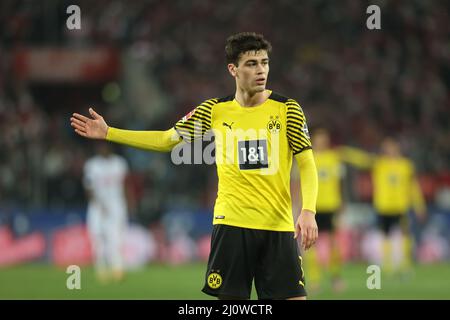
[(228, 125)]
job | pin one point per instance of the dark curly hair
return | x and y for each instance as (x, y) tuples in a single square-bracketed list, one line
[(240, 43)]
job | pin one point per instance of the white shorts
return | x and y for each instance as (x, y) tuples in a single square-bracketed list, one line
[(109, 221)]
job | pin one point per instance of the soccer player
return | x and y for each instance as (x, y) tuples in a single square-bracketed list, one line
[(104, 181), (257, 134), (395, 191), (329, 202)]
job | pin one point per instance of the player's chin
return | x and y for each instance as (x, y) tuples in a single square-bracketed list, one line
[(259, 88)]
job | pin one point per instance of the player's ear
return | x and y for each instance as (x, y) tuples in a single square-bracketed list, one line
[(232, 69)]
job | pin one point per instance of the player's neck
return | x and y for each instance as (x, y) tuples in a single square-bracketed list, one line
[(249, 99)]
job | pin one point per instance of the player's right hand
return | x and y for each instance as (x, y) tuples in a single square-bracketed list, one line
[(95, 128)]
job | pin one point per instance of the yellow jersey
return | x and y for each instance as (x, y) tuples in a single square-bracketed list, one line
[(393, 182), (329, 171), (254, 149)]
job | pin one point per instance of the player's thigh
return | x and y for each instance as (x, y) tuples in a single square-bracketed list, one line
[(280, 273), (95, 224), (231, 262), (404, 224), (114, 230)]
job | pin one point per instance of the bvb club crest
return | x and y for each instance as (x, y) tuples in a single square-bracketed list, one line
[(214, 280), (274, 124)]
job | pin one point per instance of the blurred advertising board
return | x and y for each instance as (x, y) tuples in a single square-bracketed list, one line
[(47, 64)]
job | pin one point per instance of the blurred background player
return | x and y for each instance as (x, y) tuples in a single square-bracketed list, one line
[(395, 191), (104, 181), (329, 202)]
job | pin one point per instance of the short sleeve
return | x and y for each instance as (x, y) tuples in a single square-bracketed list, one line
[(297, 128), (196, 123)]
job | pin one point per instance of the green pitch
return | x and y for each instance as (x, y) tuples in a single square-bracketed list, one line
[(40, 281)]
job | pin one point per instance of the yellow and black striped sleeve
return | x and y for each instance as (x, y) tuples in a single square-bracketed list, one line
[(196, 123), (297, 128)]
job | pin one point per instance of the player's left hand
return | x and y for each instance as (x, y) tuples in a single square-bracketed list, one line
[(306, 226)]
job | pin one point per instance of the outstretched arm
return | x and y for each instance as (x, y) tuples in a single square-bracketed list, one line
[(96, 128), (162, 141), (356, 157)]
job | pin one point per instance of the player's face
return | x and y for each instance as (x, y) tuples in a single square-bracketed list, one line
[(252, 71), (390, 148)]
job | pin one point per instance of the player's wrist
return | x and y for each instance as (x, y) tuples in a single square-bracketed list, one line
[(108, 133), (308, 211)]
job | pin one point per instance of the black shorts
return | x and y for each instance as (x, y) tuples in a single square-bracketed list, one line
[(239, 255), (325, 221), (387, 223)]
